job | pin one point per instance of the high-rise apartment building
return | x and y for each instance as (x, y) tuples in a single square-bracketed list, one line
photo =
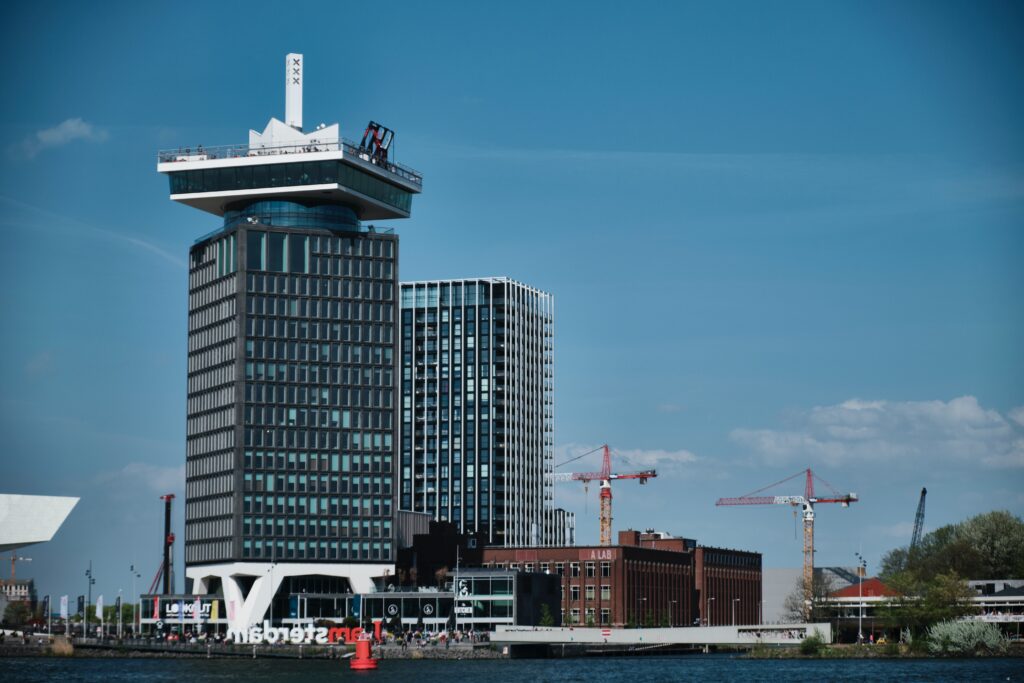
[(477, 413), (292, 361)]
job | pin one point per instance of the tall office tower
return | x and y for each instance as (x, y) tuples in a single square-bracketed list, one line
[(478, 409), (292, 361)]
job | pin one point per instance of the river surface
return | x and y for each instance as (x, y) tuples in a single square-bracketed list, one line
[(633, 669)]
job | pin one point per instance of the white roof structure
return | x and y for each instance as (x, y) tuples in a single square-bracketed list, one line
[(26, 520)]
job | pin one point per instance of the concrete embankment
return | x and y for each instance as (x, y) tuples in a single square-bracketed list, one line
[(142, 649)]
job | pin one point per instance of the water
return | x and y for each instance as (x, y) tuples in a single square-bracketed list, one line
[(635, 670)]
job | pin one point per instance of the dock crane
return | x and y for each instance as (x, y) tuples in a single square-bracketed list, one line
[(918, 521), (605, 476), (806, 502)]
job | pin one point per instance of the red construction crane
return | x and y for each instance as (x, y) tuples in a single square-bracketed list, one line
[(605, 476), (806, 502)]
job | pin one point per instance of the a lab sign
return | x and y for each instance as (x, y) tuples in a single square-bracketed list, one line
[(259, 634)]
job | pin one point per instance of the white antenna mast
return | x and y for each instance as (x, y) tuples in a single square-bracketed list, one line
[(293, 90)]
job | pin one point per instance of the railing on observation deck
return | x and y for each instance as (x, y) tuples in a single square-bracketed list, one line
[(351, 149)]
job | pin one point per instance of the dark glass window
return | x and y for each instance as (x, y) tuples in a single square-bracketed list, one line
[(254, 250), (297, 254), (275, 252)]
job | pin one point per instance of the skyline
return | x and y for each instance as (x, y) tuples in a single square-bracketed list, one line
[(774, 240)]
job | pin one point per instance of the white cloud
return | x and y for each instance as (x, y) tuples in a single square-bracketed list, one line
[(61, 134), (141, 474), (42, 363), (622, 459), (960, 430), (670, 408), (1017, 415)]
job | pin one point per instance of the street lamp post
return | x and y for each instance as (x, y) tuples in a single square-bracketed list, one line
[(862, 566), (91, 581), (136, 613), (671, 613), (734, 601), (119, 610), (709, 619), (640, 612)]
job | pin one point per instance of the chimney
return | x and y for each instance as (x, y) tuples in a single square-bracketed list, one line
[(293, 90)]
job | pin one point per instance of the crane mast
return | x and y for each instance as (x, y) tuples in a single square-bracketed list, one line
[(806, 503), (605, 477)]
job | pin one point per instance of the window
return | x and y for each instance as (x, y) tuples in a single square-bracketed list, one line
[(606, 616), (254, 250), (574, 568), (560, 568), (590, 592), (606, 592), (574, 615), (606, 569), (275, 252), (574, 593), (590, 570)]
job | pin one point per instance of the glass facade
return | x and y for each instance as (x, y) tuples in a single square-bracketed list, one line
[(292, 356), (477, 408), (250, 177)]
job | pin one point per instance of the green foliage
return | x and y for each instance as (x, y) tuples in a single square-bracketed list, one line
[(812, 645), (590, 620), (546, 619), (923, 603), (966, 637), (17, 613), (350, 622), (990, 545), (664, 623)]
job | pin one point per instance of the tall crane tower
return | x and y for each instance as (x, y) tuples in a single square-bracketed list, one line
[(605, 476), (806, 502), (918, 521)]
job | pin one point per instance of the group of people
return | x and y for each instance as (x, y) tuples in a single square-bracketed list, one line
[(423, 638)]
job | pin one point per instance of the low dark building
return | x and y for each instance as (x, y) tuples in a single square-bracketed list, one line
[(432, 558)]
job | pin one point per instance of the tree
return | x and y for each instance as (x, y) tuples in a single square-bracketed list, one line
[(920, 604), (545, 615), (821, 588), (17, 613), (989, 545)]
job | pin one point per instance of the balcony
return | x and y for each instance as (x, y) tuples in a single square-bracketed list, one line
[(242, 151)]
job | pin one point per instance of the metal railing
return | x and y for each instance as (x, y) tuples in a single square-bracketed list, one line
[(351, 149)]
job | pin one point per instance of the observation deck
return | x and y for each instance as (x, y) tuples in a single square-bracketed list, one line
[(334, 169)]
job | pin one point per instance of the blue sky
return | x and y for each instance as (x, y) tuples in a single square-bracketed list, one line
[(779, 235)]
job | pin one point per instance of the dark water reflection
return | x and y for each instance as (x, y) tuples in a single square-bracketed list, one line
[(634, 670)]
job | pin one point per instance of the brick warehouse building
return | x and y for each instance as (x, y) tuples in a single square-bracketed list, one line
[(648, 578)]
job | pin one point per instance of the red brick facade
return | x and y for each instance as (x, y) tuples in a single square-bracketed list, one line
[(647, 579)]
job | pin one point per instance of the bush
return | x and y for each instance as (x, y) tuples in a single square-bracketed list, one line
[(812, 644), (966, 637)]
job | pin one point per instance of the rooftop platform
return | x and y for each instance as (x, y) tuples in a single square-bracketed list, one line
[(212, 178)]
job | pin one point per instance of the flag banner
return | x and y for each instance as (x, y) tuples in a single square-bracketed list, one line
[(117, 604), (81, 604), (215, 610), (46, 605), (63, 607), (181, 610), (156, 608), (197, 610), (99, 606)]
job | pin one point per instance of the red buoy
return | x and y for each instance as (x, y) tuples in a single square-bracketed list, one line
[(363, 659)]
